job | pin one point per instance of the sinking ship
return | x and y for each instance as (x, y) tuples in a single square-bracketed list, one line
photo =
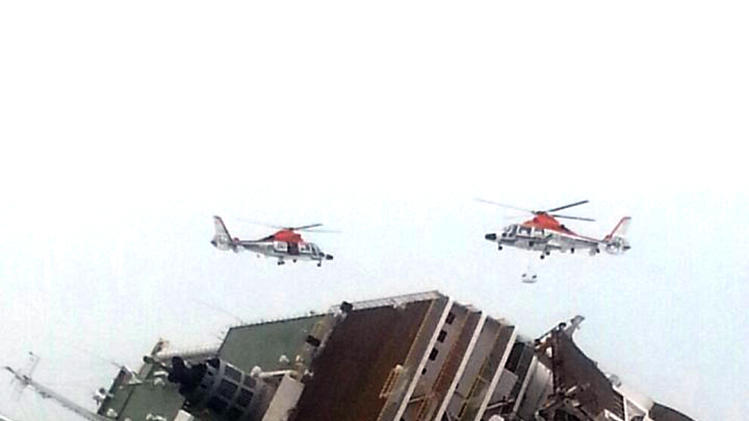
[(414, 357)]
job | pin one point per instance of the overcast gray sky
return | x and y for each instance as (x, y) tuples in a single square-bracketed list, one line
[(126, 126)]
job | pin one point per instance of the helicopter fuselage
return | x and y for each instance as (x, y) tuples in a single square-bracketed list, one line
[(283, 245), (545, 234)]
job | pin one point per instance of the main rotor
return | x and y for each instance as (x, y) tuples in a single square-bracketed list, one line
[(544, 212), (304, 228)]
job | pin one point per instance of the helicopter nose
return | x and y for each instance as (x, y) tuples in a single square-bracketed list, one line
[(491, 236), (213, 242), (328, 257)]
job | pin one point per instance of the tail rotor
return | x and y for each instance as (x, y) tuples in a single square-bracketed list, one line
[(616, 242), (221, 239)]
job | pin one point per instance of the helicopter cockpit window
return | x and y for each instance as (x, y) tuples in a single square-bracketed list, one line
[(315, 249)]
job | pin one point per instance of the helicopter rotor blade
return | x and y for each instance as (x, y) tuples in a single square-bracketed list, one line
[(280, 227), (303, 227), (577, 218), (261, 223), (582, 202), (503, 205), (323, 231)]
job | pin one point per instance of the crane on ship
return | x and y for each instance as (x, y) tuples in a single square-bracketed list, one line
[(45, 392)]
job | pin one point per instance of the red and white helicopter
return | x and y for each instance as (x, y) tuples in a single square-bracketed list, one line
[(545, 234), (284, 244)]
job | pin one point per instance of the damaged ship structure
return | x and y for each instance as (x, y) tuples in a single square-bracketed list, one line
[(415, 357)]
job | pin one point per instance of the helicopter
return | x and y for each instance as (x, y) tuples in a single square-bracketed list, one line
[(286, 243), (545, 233)]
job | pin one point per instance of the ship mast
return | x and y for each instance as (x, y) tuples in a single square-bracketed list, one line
[(46, 392)]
